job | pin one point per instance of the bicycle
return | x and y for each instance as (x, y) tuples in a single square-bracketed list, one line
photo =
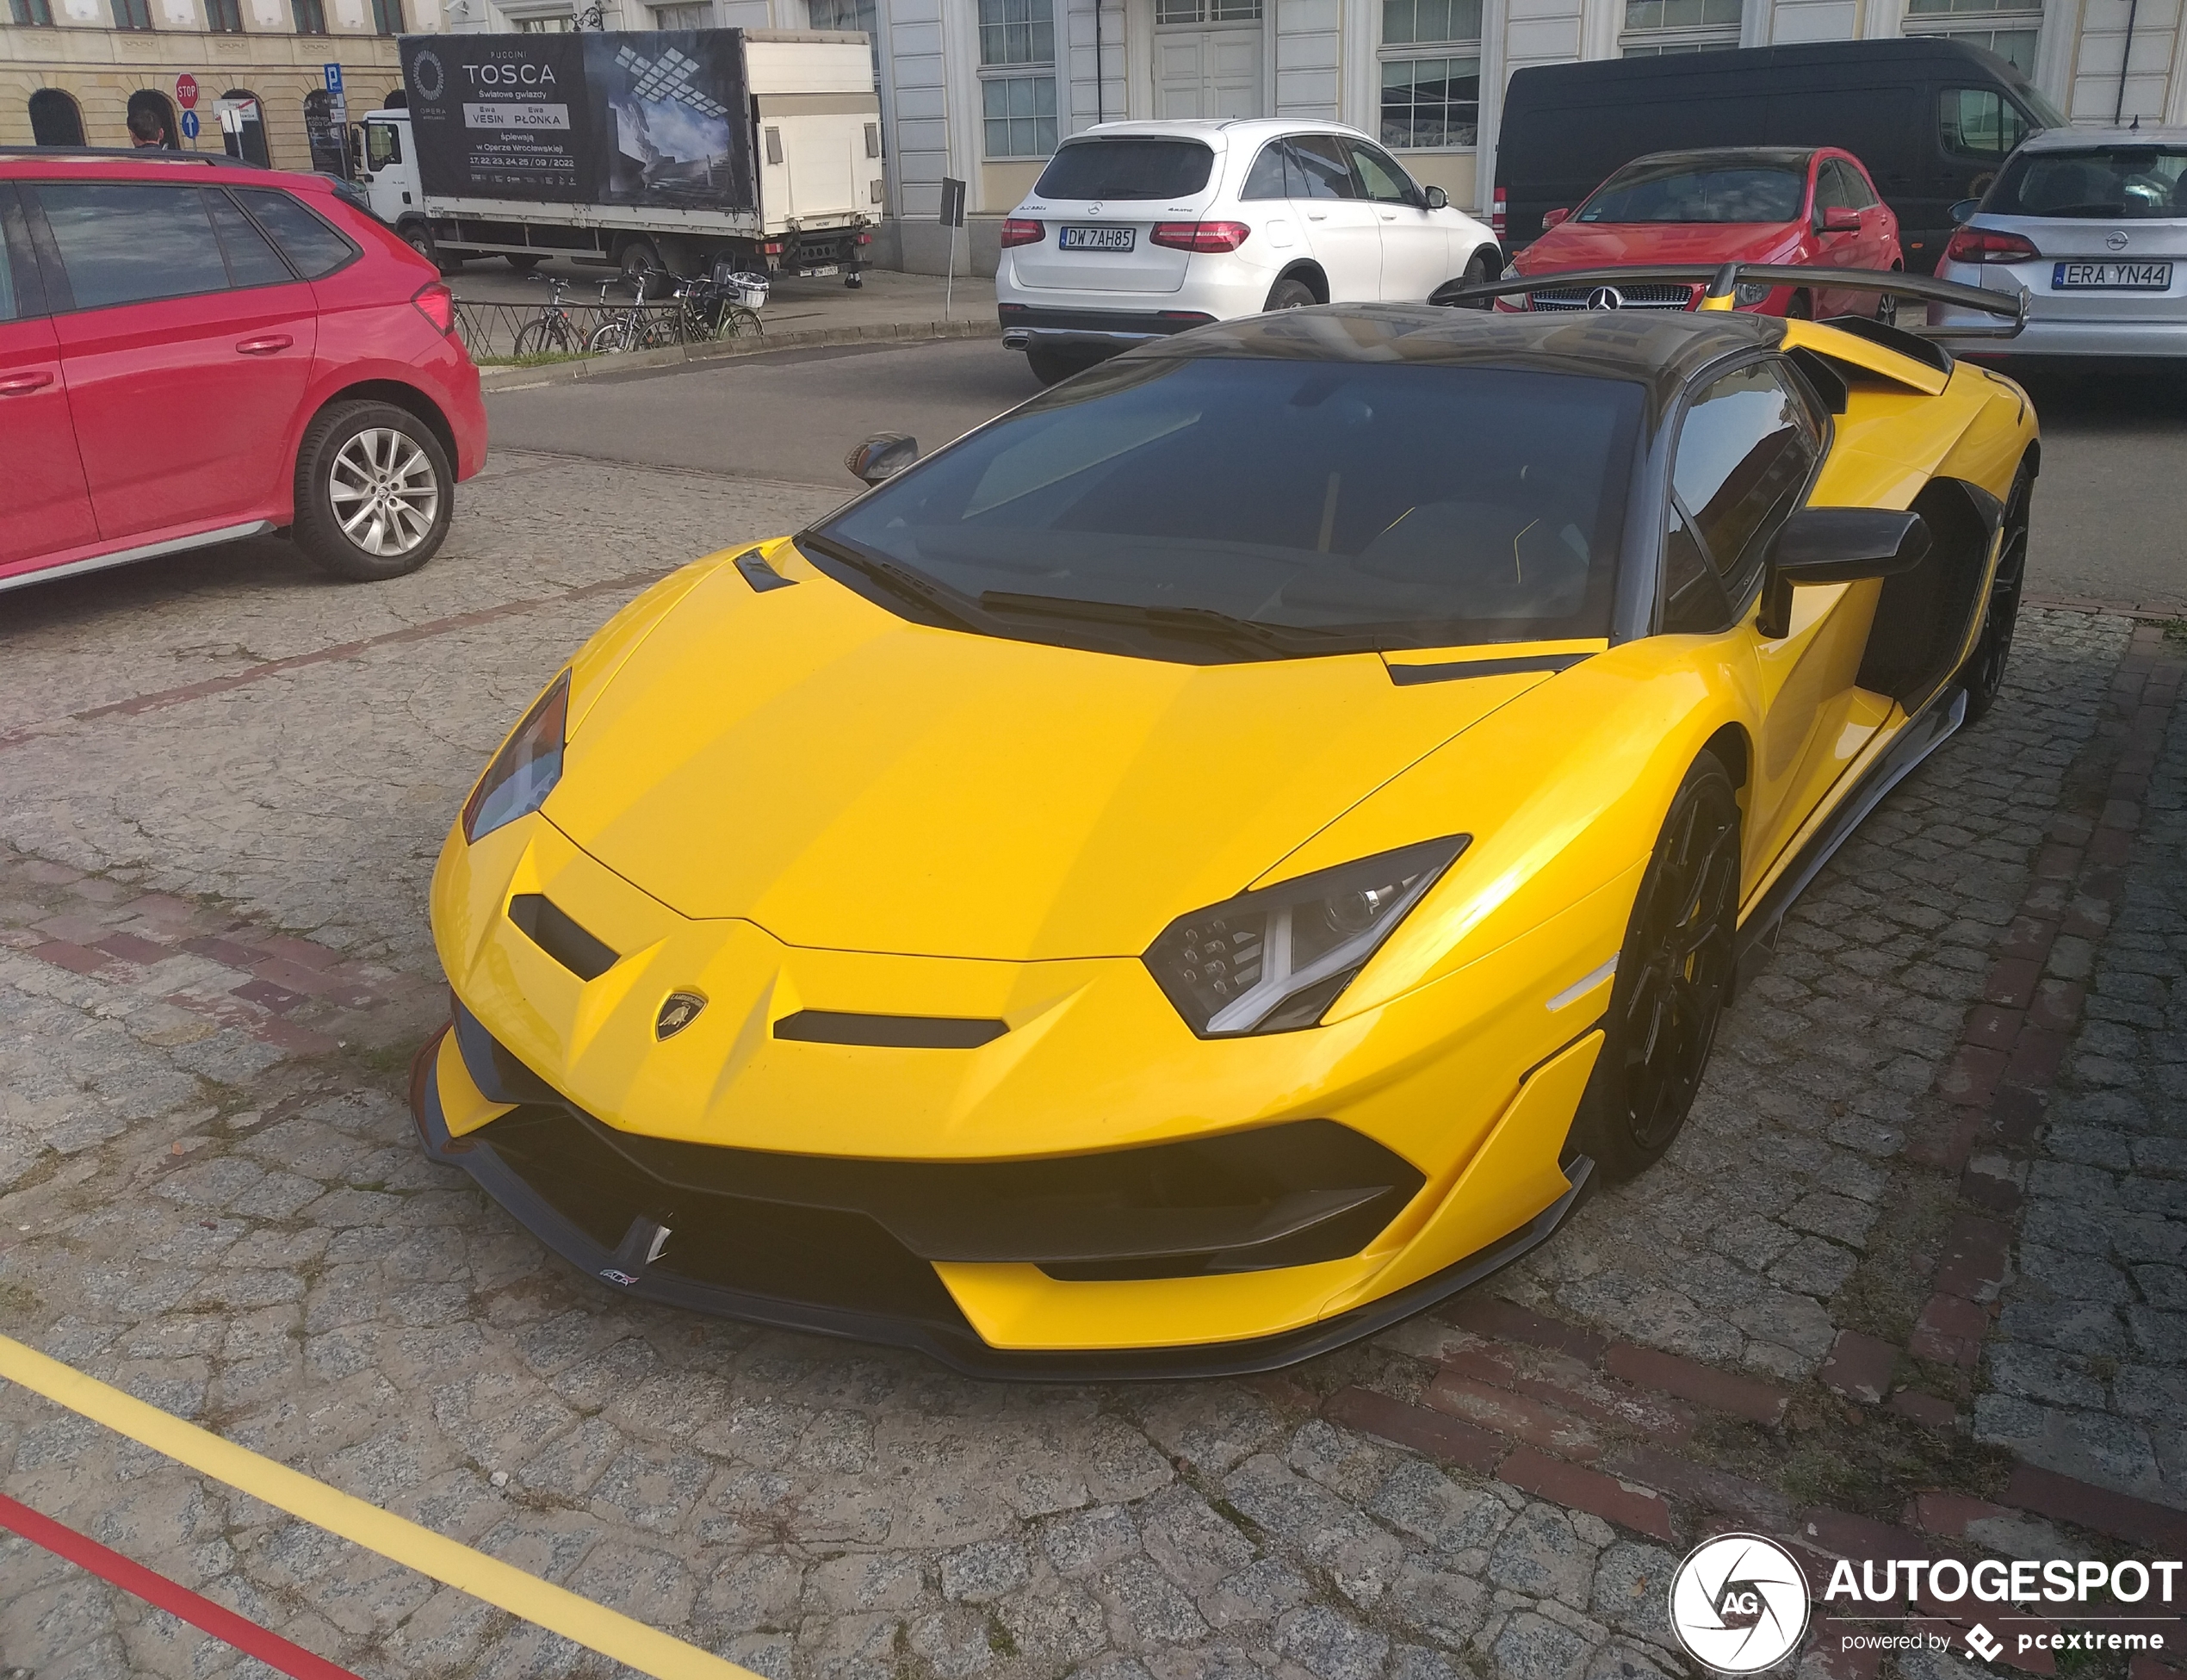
[(555, 331), (636, 327)]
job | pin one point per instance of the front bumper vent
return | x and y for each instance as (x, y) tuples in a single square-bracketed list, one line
[(539, 920), (827, 1026)]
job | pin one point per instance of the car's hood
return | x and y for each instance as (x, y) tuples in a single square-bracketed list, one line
[(808, 761), (1577, 245)]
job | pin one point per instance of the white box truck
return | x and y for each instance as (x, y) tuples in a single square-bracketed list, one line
[(671, 149)]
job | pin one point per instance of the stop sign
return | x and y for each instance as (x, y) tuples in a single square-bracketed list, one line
[(186, 91)]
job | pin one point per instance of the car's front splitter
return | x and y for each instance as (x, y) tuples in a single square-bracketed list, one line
[(940, 1332)]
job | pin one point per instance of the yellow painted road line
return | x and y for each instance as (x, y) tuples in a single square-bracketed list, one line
[(592, 1625)]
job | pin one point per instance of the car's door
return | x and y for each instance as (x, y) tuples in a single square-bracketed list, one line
[(187, 349), (1750, 442), (1842, 248), (48, 506), (1342, 228), (1415, 247)]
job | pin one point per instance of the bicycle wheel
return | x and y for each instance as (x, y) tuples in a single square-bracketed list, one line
[(548, 335), (609, 338), (658, 331), (736, 321)]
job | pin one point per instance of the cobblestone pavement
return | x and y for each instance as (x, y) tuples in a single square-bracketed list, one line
[(1911, 1277)]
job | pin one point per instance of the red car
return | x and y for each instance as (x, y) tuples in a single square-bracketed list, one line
[(1754, 204), (193, 351)]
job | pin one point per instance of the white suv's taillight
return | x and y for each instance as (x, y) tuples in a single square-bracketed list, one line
[(1017, 232), (1209, 236)]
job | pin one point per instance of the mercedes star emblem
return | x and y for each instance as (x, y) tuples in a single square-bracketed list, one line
[(1606, 297)]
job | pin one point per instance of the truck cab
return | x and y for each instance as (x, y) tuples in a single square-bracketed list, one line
[(389, 176)]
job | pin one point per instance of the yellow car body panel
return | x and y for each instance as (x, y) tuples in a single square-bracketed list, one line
[(794, 800)]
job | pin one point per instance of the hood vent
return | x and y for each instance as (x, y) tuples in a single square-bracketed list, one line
[(554, 932), (826, 1027)]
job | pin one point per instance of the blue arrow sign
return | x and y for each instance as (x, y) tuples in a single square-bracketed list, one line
[(190, 125)]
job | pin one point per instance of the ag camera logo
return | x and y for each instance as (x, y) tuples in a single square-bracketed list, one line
[(1738, 1603)]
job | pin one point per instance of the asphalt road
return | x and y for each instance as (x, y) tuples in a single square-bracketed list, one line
[(2110, 520), (790, 416)]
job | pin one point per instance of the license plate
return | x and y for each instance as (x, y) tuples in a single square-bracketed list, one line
[(2110, 277), (1097, 238), (825, 268)]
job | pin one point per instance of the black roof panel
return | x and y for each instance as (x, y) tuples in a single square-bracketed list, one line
[(1661, 348)]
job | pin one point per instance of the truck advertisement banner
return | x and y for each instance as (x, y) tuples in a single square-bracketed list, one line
[(657, 118)]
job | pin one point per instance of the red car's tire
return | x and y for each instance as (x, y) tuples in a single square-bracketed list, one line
[(374, 492)]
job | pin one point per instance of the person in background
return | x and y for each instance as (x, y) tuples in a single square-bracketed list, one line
[(145, 128)]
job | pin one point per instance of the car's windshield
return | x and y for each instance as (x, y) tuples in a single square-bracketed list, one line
[(1682, 189), (1345, 505), (2105, 182), (1126, 168)]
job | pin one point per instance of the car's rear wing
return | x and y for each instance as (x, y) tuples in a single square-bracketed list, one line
[(1723, 280)]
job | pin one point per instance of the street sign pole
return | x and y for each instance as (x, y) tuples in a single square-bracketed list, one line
[(952, 218)]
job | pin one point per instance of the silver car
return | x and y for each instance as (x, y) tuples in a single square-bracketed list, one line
[(2092, 222)]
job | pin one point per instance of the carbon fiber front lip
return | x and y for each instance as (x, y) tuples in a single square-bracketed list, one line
[(955, 1345)]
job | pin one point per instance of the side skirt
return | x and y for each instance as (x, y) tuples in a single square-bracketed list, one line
[(173, 545), (1758, 936)]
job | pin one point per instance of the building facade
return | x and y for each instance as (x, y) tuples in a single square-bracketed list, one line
[(984, 90)]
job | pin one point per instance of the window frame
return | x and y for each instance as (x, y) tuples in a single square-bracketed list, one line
[(1740, 604), (308, 17), (1002, 71), (1414, 194), (1455, 50), (133, 16), (2005, 105), (241, 196), (31, 15), (1637, 40), (387, 18), (60, 295)]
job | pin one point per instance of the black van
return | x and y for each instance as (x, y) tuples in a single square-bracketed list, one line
[(1931, 118)]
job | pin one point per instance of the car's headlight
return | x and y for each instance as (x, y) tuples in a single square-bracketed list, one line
[(1510, 271), (1749, 293), (524, 771), (1274, 961)]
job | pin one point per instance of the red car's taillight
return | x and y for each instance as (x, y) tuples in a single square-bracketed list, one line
[(1499, 215), (1016, 233), (1987, 244), (438, 305), (1214, 236)]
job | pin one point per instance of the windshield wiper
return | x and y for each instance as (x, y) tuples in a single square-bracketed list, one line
[(908, 585), (1196, 624)]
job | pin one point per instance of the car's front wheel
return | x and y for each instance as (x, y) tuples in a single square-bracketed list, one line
[(1674, 974), (1478, 272), (374, 492), (1983, 676)]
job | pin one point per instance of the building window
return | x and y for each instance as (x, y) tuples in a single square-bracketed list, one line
[(1428, 103), (224, 17), (37, 12), (1431, 95), (310, 16), (133, 14), (856, 15), (2009, 31), (386, 17), (551, 23), (1019, 111), (700, 17), (1021, 114), (1656, 27), (1207, 11), (55, 119)]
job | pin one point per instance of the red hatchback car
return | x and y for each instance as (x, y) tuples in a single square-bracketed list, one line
[(192, 352), (1752, 204)]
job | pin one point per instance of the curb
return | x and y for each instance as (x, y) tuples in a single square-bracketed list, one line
[(598, 367)]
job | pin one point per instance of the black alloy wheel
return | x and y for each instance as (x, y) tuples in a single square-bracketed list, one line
[(1674, 975), (1289, 293), (1887, 305), (1983, 676)]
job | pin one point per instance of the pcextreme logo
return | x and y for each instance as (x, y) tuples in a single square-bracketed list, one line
[(1738, 1603)]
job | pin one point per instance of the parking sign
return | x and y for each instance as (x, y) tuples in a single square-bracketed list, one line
[(333, 77)]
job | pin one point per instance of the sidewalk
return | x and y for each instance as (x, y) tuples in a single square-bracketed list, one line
[(798, 313)]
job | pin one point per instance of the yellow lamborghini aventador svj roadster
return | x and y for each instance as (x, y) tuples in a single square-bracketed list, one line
[(1213, 861)]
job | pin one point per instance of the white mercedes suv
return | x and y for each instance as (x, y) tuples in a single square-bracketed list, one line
[(1138, 230)]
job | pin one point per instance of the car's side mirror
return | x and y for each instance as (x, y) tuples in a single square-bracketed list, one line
[(1437, 198), (1840, 220), (882, 456), (1963, 212), (1820, 545), (1554, 219)]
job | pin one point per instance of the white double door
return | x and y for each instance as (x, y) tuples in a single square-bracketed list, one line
[(1207, 71)]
